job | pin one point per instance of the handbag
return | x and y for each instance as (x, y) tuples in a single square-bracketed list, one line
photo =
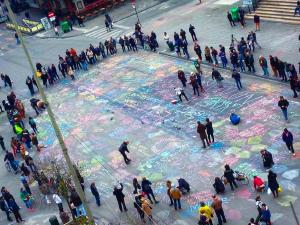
[(279, 189)]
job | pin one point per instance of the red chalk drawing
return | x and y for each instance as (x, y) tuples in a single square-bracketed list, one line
[(233, 214), (245, 194)]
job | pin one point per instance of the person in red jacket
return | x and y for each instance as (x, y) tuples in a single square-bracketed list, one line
[(258, 184)]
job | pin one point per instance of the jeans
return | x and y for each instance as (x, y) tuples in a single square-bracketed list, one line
[(265, 69), (182, 94), (28, 204), (219, 83), (185, 51), (196, 89), (80, 211), (285, 114), (216, 60), (149, 194), (220, 215), (121, 203), (84, 65), (232, 182), (238, 84), (177, 203)]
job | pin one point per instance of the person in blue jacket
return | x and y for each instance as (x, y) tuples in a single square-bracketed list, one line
[(265, 214)]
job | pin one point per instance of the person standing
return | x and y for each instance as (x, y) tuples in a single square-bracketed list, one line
[(287, 137), (197, 50), (194, 83), (183, 35), (4, 207), (181, 77), (2, 143), (201, 131), (15, 209), (58, 202), (169, 187), (229, 17), (146, 188), (184, 46), (207, 211), (265, 214), (192, 32), (293, 84), (175, 194), (210, 131), (95, 193), (32, 124), (118, 192), (274, 65), (283, 104), (147, 209), (123, 149), (229, 175), (258, 204), (214, 54), (256, 20), (217, 206), (272, 183), (264, 65), (215, 75), (237, 77), (29, 83), (136, 185), (17, 38)]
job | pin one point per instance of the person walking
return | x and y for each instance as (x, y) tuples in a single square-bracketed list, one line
[(272, 183), (199, 80), (180, 92), (267, 158), (283, 104), (258, 204), (201, 131), (183, 35), (209, 131), (229, 175), (229, 17), (264, 65), (256, 20), (287, 137), (146, 188), (217, 206), (184, 46), (118, 192), (123, 149), (95, 192), (237, 77), (33, 125), (192, 32), (169, 187), (176, 194), (26, 198), (207, 211)]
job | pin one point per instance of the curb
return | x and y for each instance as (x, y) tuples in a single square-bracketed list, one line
[(130, 15), (221, 68)]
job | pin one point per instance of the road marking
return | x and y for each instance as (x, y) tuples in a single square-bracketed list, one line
[(121, 26), (84, 30)]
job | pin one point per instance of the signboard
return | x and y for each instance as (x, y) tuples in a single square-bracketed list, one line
[(51, 16), (46, 23)]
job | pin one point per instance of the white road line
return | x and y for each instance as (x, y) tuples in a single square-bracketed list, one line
[(121, 26), (115, 35)]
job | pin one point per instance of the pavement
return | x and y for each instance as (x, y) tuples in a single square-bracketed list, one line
[(98, 111), (134, 103)]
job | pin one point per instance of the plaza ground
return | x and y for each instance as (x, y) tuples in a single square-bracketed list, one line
[(129, 98)]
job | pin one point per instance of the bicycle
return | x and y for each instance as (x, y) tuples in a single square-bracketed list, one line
[(239, 176)]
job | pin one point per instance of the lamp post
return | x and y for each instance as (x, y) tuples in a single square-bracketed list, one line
[(52, 119), (136, 12)]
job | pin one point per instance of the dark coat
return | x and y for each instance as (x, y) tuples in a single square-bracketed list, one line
[(287, 137), (209, 128), (228, 174), (201, 130), (272, 182), (219, 186), (94, 190), (146, 186), (283, 103), (123, 148), (75, 199), (118, 192)]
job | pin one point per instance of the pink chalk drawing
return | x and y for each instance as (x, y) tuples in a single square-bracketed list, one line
[(244, 193), (233, 214), (255, 130)]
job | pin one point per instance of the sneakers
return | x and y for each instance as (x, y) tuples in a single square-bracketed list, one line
[(294, 154)]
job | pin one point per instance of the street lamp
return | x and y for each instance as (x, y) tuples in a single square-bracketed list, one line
[(134, 7)]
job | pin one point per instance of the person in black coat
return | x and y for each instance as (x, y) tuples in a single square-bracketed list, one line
[(288, 138), (123, 149), (267, 158), (95, 193), (210, 130), (136, 185), (192, 32), (29, 83), (118, 192), (229, 17), (146, 188), (183, 185), (219, 186), (229, 175), (273, 184), (15, 209), (4, 207)]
